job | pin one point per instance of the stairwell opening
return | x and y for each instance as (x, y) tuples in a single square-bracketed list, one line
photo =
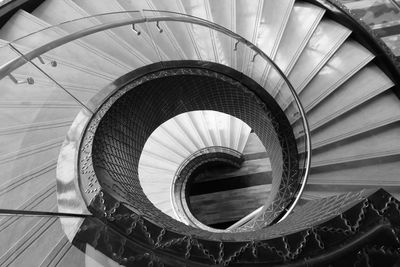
[(205, 168), (219, 188), (127, 119)]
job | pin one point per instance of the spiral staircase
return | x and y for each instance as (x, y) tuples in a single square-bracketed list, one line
[(108, 106)]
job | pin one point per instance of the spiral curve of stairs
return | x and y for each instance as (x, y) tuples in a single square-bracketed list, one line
[(67, 67)]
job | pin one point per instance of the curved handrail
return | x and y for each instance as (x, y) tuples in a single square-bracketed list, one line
[(24, 58)]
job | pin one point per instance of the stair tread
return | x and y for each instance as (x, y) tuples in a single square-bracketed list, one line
[(168, 138), (326, 39), (271, 25), (315, 190), (176, 131), (19, 162), (187, 125), (380, 173), (41, 235), (16, 27), (158, 163), (206, 39), (28, 191), (362, 119), (154, 171), (380, 143), (302, 23), (16, 141), (200, 127), (153, 145), (56, 12), (244, 135), (262, 24), (155, 157), (143, 48), (366, 84), (166, 43), (346, 62), (89, 79)]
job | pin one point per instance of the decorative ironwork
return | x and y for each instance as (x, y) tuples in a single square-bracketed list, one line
[(364, 223)]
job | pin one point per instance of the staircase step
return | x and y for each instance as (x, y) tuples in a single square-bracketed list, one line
[(157, 158), (36, 238), (59, 251), (326, 39), (33, 114), (23, 23), (382, 142), (56, 12), (316, 191), (165, 43), (244, 135), (186, 123), (157, 162), (212, 127), (14, 142), (272, 24), (246, 18), (380, 111), (143, 48), (164, 136), (366, 84), (185, 36), (302, 23), (253, 145), (175, 129), (23, 223), (152, 144), (66, 73), (157, 173), (383, 172), (157, 192), (33, 190), (346, 62), (200, 124), (224, 13), (33, 127), (263, 24), (206, 39), (234, 135)]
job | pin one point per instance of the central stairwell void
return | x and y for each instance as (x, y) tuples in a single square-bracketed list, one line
[(128, 143), (114, 112), (183, 149)]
